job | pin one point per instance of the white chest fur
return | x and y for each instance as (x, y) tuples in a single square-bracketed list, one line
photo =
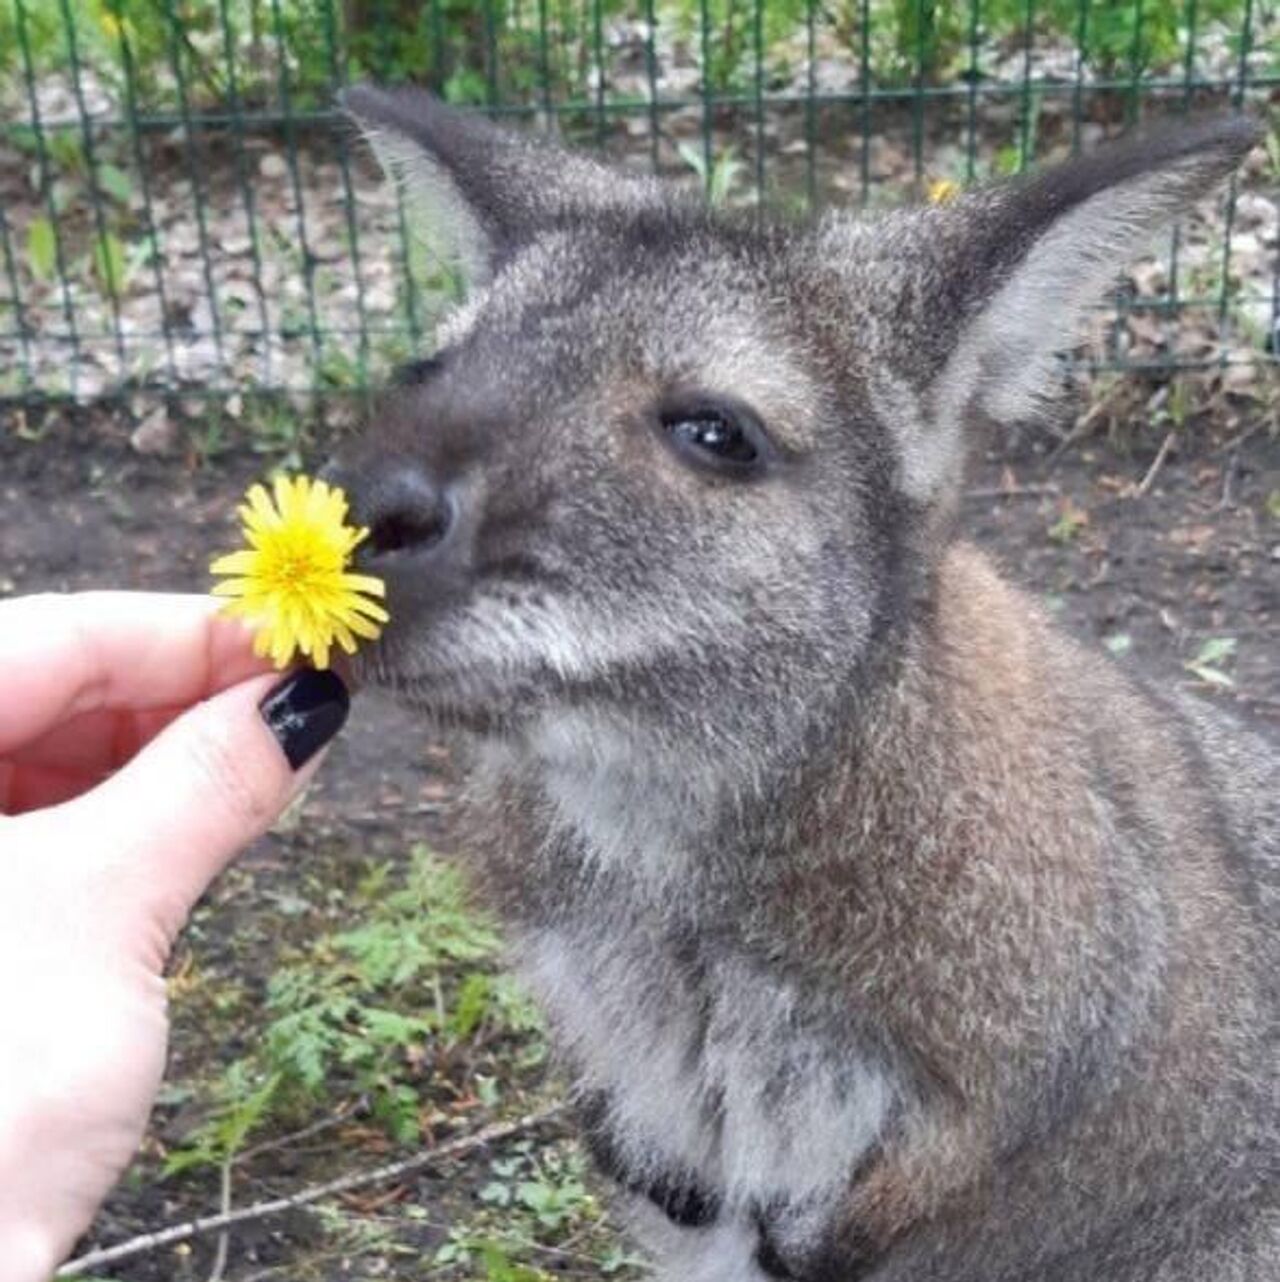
[(714, 1075), (711, 1068)]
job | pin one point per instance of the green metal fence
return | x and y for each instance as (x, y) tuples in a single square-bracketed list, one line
[(181, 209)]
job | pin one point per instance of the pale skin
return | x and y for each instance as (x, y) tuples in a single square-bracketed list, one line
[(134, 767)]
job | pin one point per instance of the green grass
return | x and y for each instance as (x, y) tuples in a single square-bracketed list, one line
[(367, 1013), (333, 1015)]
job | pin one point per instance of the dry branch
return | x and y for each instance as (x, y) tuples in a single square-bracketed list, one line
[(343, 1184), (1144, 486)]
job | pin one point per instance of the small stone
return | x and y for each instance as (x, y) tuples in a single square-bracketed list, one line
[(1255, 212), (1260, 324), (272, 166), (1244, 242), (1239, 377), (1151, 277), (157, 434)]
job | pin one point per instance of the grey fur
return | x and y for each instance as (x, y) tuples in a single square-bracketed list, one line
[(888, 934)]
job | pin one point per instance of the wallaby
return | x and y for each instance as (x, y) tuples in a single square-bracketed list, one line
[(886, 933)]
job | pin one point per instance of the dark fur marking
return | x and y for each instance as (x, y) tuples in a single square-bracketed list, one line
[(768, 1261), (677, 1194), (847, 1260)]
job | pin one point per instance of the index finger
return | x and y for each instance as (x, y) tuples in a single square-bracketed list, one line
[(65, 654)]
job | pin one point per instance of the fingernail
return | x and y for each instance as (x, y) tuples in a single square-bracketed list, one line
[(305, 711)]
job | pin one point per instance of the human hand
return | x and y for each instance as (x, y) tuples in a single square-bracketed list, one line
[(135, 763)]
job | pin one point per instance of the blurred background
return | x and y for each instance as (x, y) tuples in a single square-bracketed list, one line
[(182, 210)]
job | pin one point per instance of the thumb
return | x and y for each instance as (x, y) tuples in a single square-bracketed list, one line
[(214, 779)]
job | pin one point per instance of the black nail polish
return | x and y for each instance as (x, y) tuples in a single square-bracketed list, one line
[(305, 711)]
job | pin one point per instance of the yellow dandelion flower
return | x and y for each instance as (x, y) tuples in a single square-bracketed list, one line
[(291, 583), (941, 190)]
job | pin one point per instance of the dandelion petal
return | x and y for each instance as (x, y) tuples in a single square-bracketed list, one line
[(292, 582)]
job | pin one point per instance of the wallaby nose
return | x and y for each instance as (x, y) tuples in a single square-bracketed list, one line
[(404, 509)]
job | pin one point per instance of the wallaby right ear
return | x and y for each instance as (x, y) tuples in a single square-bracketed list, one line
[(1037, 252), (477, 192), (988, 289)]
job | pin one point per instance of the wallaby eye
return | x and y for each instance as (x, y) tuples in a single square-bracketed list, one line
[(716, 435), (725, 438)]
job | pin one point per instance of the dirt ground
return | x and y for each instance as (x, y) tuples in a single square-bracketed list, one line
[(1161, 545)]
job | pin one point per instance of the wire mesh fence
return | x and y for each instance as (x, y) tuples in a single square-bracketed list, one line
[(182, 209)]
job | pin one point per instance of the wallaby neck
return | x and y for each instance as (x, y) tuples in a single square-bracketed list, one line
[(644, 789)]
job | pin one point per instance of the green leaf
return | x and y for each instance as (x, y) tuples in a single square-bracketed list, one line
[(536, 1195), (1215, 649), (1008, 161), (42, 248), (498, 1266), (1205, 665), (109, 263), (1211, 676), (472, 1005), (244, 1113), (66, 151), (616, 1259), (242, 1104), (465, 85), (495, 1193), (724, 175), (390, 1028), (115, 182), (695, 157), (397, 1109)]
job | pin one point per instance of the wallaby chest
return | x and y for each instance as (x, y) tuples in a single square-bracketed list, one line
[(704, 1065), (703, 1074)]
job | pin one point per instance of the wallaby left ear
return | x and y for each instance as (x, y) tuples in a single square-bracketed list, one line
[(1047, 247), (1001, 279), (474, 191)]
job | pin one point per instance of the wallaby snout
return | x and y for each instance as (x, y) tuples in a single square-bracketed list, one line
[(407, 512)]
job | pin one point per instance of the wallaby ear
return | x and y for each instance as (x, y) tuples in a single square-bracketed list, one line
[(1008, 272), (1046, 248), (477, 192)]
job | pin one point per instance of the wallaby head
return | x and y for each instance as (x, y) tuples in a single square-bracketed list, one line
[(703, 464)]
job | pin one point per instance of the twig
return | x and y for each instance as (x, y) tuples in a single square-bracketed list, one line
[(1238, 440), (1229, 470), (295, 1137), (1019, 492), (1084, 423), (1156, 464), (224, 1209), (261, 1210)]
